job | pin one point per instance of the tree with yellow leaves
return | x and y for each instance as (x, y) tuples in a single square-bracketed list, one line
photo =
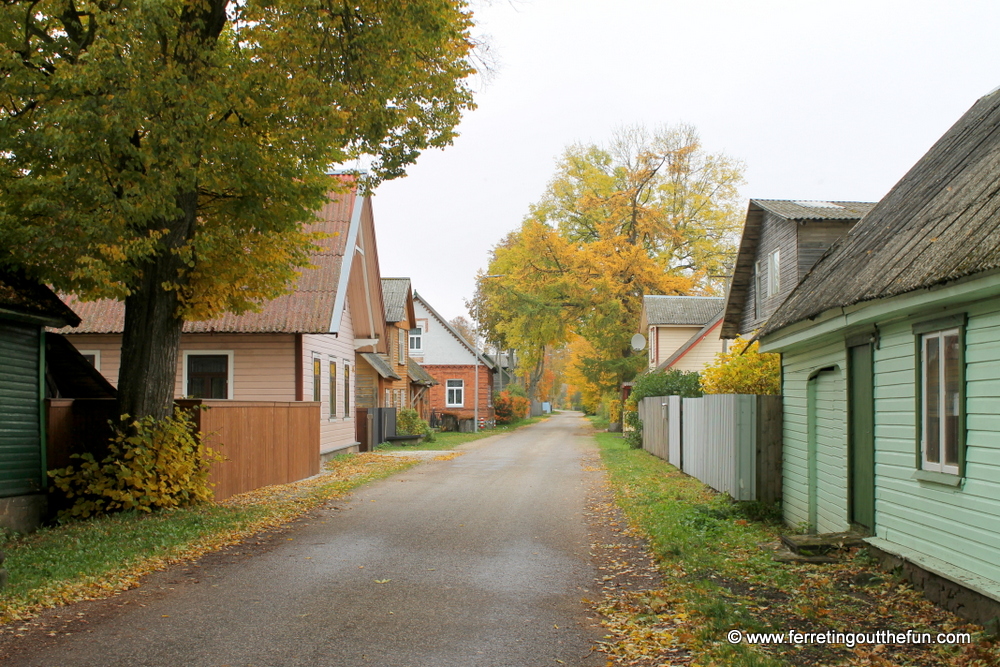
[(743, 369), (650, 213)]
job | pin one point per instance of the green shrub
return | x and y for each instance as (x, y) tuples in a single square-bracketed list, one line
[(657, 383), (156, 464), (408, 422)]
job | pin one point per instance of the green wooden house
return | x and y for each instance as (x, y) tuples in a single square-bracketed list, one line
[(26, 308), (891, 374)]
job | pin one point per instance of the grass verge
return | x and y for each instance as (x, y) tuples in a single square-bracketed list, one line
[(450, 440), (89, 559), (717, 578)]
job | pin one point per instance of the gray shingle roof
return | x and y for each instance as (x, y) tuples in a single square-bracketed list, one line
[(418, 374), (394, 291), (816, 210), (941, 222), (380, 365), (695, 310)]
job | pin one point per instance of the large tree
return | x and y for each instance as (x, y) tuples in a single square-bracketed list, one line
[(168, 152), (650, 213)]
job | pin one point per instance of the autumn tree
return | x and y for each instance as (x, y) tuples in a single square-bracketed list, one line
[(465, 329), (168, 153), (650, 213)]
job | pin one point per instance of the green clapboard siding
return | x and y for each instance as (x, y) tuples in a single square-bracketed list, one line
[(20, 437)]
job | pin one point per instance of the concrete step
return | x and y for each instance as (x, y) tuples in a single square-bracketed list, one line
[(814, 545)]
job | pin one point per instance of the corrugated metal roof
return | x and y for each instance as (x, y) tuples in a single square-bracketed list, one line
[(20, 294), (308, 309), (418, 373), (394, 291), (816, 210), (380, 365), (941, 222), (681, 309)]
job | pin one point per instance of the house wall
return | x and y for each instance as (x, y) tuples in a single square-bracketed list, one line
[(668, 339), (815, 437), (440, 347), (814, 237), (337, 431), (956, 524), (776, 233), (703, 353), (443, 373)]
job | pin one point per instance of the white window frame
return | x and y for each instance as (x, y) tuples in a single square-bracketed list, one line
[(418, 337), (758, 292), (201, 353), (940, 465), (316, 371), (332, 378), (348, 380), (404, 343), (774, 273), (97, 357), (460, 388)]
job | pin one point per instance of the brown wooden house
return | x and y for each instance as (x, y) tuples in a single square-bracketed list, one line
[(782, 240), (383, 377)]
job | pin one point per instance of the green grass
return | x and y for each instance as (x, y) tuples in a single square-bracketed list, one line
[(91, 558), (450, 440), (719, 578)]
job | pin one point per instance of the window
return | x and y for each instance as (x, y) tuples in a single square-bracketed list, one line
[(347, 390), (401, 357), (400, 397), (317, 379), (208, 375), (92, 356), (416, 340), (941, 400), (758, 296), (333, 389), (773, 273), (456, 393)]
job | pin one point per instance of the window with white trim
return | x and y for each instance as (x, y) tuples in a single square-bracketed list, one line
[(317, 379), (401, 356), (347, 390), (416, 340), (93, 356), (941, 398), (773, 273), (456, 393), (208, 374), (333, 388)]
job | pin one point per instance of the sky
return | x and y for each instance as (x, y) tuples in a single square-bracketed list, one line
[(820, 99)]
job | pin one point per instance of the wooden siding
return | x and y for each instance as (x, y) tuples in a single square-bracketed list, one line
[(957, 525), (814, 237), (337, 432), (703, 353), (669, 339), (776, 233), (828, 432)]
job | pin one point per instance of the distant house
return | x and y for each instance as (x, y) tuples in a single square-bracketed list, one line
[(464, 376), (682, 332), (891, 373), (300, 347), (383, 378), (781, 241), (26, 308)]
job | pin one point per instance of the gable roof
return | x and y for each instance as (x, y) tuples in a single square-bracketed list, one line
[(941, 222), (689, 310), (468, 346), (315, 306), (691, 342), (380, 365), (398, 299), (21, 296), (798, 211), (418, 374)]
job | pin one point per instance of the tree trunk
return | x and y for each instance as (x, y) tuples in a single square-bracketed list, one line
[(152, 335)]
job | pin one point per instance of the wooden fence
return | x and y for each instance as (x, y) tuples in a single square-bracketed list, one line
[(732, 442), (264, 442)]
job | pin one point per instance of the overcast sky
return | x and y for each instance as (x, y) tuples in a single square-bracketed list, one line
[(832, 99)]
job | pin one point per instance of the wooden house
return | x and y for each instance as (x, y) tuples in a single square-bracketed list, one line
[(465, 376), (383, 377), (26, 308), (781, 241), (682, 332), (891, 373), (299, 348)]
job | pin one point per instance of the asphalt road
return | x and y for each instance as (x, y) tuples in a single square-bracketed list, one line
[(481, 560)]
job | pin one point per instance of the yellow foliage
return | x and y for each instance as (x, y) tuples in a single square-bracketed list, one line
[(743, 370)]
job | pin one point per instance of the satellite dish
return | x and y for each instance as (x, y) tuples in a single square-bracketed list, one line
[(638, 342)]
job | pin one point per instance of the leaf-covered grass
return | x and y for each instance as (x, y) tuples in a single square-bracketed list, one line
[(451, 439), (717, 578), (87, 559)]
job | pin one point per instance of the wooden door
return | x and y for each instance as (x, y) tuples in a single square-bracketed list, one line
[(861, 438)]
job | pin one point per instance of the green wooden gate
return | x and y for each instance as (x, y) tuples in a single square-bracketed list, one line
[(861, 452), (21, 452)]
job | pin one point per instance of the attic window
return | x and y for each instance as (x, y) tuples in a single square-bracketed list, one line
[(817, 204)]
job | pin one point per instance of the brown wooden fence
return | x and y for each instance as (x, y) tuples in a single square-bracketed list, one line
[(264, 442)]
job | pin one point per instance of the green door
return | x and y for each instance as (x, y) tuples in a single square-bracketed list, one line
[(861, 453), (20, 430)]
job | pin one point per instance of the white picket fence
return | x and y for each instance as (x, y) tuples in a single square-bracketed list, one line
[(732, 442)]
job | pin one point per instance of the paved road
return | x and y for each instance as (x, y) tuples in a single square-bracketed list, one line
[(477, 561)]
